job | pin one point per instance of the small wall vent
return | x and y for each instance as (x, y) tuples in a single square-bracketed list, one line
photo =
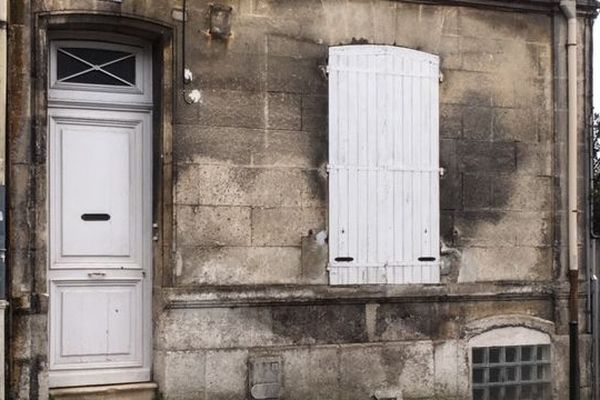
[(265, 378)]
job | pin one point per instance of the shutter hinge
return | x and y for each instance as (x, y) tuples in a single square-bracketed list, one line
[(324, 69), (441, 77)]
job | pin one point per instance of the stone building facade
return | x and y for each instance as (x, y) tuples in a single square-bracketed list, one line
[(240, 302)]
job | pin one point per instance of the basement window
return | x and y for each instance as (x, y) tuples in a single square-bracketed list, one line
[(511, 373)]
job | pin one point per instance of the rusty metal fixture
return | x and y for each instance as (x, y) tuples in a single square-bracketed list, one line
[(220, 21)]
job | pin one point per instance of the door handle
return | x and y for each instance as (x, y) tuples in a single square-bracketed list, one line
[(96, 274)]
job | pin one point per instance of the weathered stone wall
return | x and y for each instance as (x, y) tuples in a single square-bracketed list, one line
[(247, 277), (253, 153)]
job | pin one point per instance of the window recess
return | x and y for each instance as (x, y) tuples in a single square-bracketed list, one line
[(383, 165)]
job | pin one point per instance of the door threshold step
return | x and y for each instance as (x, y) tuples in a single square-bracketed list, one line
[(129, 391)]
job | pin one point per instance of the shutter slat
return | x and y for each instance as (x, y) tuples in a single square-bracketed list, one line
[(383, 172)]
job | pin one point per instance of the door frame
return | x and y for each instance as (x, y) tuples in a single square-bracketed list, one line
[(27, 165)]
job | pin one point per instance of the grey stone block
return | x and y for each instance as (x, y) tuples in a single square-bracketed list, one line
[(475, 156), (451, 121), (285, 226), (232, 108), (477, 123), (256, 187), (314, 114), (477, 191), (210, 226), (239, 327), (181, 374), (284, 111), (311, 373), (503, 228), (314, 259), (291, 149), (480, 264), (229, 70), (397, 366), (285, 46), (239, 265), (216, 145), (226, 374), (515, 124), (287, 74)]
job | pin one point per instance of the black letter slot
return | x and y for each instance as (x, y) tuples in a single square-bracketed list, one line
[(426, 258), (344, 259), (95, 217)]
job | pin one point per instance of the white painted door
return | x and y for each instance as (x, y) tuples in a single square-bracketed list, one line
[(100, 244)]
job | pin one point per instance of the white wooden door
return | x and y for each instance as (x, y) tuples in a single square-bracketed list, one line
[(100, 244)]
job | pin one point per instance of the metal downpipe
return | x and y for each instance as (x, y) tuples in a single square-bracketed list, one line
[(569, 9)]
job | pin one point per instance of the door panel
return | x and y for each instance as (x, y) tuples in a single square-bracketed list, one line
[(96, 190), (100, 246), (107, 314)]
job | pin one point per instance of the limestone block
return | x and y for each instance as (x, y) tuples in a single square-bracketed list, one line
[(285, 46), (534, 158), (426, 35), (237, 327), (450, 53), (311, 373), (285, 226), (292, 149), (477, 191), (228, 70), (451, 121), (284, 111), (447, 356), (239, 186), (216, 328), (213, 226), (466, 88), (314, 114), (397, 366), (314, 258), (515, 124), (496, 229), (287, 74), (232, 108), (523, 193), (505, 263), (216, 145), (226, 374), (474, 156), (477, 123), (184, 113), (239, 265), (181, 374), (316, 324)]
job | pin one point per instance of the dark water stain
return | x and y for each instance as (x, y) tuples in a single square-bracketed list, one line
[(320, 323)]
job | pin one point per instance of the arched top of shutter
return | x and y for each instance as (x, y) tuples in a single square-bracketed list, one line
[(383, 50)]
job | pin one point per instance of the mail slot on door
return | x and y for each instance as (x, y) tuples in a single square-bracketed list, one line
[(95, 217)]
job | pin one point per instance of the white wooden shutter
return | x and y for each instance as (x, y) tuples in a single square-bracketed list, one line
[(383, 165)]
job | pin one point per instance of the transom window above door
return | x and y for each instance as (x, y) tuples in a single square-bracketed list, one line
[(100, 72), (95, 66)]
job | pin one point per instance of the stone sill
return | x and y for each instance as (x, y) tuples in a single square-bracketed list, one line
[(249, 296), (131, 391)]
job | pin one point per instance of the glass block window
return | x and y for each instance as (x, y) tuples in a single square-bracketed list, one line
[(95, 66), (511, 373)]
